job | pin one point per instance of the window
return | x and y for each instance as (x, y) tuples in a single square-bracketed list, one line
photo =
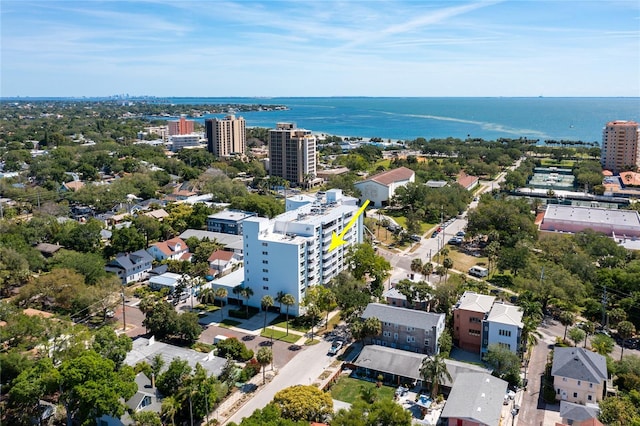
[(265, 244), (411, 339), (589, 398), (564, 379), (506, 333), (505, 345), (264, 287), (579, 382), (265, 279), (266, 262), (386, 333), (575, 394), (265, 253), (474, 332), (426, 342), (474, 320), (591, 385), (265, 270), (410, 329), (395, 336)]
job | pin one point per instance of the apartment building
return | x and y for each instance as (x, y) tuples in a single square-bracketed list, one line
[(180, 142), (468, 315), (181, 126), (479, 322), (226, 136), (292, 154), (620, 148), (407, 329), (290, 252)]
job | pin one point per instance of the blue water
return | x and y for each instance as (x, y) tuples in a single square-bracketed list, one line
[(410, 118)]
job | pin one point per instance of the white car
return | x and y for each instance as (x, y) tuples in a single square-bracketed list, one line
[(335, 347)]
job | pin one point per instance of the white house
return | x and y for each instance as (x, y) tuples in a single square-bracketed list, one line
[(221, 262), (173, 249), (291, 251), (167, 280), (380, 188), (502, 326)]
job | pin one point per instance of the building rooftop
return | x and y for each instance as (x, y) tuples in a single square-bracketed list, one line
[(506, 314), (231, 215), (407, 364), (146, 349), (477, 397), (390, 176), (578, 412), (475, 302), (589, 215), (402, 316), (579, 364), (230, 241)]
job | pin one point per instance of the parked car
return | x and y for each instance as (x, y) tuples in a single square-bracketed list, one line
[(434, 234), (335, 347), (460, 234), (455, 241), (415, 237)]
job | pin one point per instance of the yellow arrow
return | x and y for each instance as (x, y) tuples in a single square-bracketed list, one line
[(337, 240)]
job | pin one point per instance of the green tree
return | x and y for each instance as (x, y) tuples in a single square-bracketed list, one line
[(111, 346), (90, 265), (246, 292), (302, 402), (567, 318), (364, 261), (264, 357), (506, 364), (174, 377), (266, 302), (125, 240), (445, 342), (146, 418), (288, 300), (626, 330), (30, 386), (170, 408), (616, 316), (434, 370), (602, 344), (577, 335), (91, 387)]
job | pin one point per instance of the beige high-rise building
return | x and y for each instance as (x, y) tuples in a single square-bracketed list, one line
[(226, 136), (292, 153), (620, 148)]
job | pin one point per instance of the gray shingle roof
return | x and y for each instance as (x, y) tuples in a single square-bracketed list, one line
[(578, 412), (402, 316), (579, 364), (477, 397)]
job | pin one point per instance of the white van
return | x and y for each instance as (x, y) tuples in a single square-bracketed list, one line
[(478, 271)]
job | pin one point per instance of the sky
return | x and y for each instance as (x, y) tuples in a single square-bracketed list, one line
[(221, 48)]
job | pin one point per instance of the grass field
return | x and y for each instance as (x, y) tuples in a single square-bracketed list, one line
[(278, 322), (552, 162), (461, 261), (347, 389), (270, 333)]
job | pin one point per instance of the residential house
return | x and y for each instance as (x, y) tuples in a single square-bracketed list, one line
[(468, 315), (222, 262), (230, 242), (579, 375), (407, 329), (468, 182), (131, 267), (167, 280), (146, 398), (574, 413), (475, 400), (48, 250), (502, 326), (173, 249), (402, 367), (393, 297), (158, 214), (380, 188)]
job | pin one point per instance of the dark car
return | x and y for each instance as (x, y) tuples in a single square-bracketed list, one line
[(434, 234), (415, 237)]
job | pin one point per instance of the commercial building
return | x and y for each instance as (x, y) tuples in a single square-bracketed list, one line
[(407, 329), (292, 154), (613, 222), (290, 252), (180, 127), (180, 142), (380, 188), (620, 149), (226, 136)]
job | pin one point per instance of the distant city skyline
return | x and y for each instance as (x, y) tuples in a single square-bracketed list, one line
[(320, 48)]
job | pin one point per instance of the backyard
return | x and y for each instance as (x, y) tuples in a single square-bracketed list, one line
[(348, 389)]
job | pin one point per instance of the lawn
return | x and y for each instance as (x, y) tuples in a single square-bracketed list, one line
[(347, 389), (553, 162), (228, 323), (270, 333), (384, 163), (461, 261), (278, 322)]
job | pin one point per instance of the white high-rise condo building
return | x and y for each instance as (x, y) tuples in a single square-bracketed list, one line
[(290, 252), (226, 136), (620, 148), (292, 153)]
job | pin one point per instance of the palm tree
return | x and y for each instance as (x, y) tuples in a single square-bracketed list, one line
[(246, 292), (278, 299), (566, 318), (207, 296), (371, 327), (264, 358), (288, 300), (626, 329), (434, 370), (589, 328), (427, 269), (416, 265), (221, 293), (266, 302), (447, 264), (530, 334), (170, 407)]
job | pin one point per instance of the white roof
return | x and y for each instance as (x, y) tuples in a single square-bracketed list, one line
[(592, 215), (475, 302), (506, 314)]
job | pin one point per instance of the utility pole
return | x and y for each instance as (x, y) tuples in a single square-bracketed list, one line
[(604, 307), (124, 314)]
